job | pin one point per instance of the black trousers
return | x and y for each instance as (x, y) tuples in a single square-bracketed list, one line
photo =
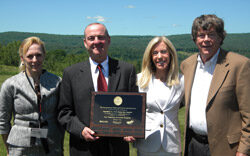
[(105, 146), (198, 145)]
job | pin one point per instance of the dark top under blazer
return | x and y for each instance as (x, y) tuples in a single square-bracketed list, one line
[(75, 102)]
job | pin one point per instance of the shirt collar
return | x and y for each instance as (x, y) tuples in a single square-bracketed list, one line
[(213, 60), (93, 65)]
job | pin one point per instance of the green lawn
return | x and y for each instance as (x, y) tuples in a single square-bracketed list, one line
[(66, 139), (6, 72)]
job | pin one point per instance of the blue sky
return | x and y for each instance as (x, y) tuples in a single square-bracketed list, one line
[(121, 17)]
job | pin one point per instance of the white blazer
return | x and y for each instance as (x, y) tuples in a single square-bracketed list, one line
[(162, 126)]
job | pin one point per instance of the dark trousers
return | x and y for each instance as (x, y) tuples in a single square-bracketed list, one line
[(198, 145), (105, 146)]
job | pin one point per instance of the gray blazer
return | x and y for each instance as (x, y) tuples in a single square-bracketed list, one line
[(18, 98)]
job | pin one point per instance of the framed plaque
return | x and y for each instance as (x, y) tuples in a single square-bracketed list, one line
[(118, 114)]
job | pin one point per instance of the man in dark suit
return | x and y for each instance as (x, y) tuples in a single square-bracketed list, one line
[(216, 94), (79, 81)]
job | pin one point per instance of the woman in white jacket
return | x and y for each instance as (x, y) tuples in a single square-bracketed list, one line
[(160, 79)]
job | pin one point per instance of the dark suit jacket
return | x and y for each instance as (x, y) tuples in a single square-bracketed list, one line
[(75, 101), (228, 104)]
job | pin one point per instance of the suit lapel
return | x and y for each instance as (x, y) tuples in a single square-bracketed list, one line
[(219, 75), (170, 98), (152, 91), (114, 75), (189, 78), (85, 76)]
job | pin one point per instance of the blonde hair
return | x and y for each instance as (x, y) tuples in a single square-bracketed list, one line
[(24, 47), (148, 67)]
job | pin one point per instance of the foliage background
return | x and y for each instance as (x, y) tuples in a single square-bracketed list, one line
[(65, 50)]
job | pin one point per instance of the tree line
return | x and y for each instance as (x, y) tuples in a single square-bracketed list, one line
[(65, 50), (57, 60)]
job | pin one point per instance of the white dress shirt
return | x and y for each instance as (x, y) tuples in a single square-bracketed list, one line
[(199, 93), (95, 71)]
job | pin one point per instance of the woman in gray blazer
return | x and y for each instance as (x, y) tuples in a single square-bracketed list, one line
[(30, 97), (159, 78)]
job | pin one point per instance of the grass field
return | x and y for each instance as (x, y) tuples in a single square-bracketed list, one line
[(6, 72)]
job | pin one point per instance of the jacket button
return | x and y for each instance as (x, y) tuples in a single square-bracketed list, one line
[(161, 125)]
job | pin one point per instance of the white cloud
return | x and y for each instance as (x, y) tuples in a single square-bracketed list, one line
[(97, 18), (130, 6)]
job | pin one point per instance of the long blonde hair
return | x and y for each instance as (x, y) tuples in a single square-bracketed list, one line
[(24, 47), (148, 67)]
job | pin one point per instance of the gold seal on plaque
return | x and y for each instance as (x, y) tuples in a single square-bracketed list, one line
[(117, 100), (130, 122)]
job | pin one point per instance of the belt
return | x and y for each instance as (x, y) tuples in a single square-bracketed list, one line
[(35, 124), (31, 124), (200, 138)]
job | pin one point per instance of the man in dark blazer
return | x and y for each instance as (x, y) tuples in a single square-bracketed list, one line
[(216, 94), (79, 81)]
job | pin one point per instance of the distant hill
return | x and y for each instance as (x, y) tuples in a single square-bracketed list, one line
[(74, 44), (52, 42), (65, 50)]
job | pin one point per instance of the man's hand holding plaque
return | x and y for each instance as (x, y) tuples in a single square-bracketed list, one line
[(129, 138), (89, 135)]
